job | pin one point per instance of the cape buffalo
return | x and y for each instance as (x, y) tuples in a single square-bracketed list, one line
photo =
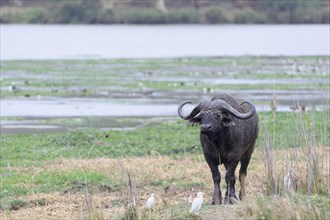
[(228, 132)]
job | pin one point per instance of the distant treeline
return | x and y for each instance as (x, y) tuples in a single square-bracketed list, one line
[(165, 11)]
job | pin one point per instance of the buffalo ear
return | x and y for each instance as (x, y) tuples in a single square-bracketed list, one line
[(227, 122), (194, 121)]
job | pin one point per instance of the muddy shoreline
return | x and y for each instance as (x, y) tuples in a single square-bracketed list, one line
[(37, 116), (34, 94)]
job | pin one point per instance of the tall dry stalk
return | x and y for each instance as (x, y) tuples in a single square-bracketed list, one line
[(307, 133), (93, 213), (268, 159), (268, 149), (87, 198), (129, 188)]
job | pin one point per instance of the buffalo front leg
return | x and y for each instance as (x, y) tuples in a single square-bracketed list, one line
[(242, 175), (216, 200), (230, 180)]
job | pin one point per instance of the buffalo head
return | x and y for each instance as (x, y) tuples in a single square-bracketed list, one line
[(213, 115)]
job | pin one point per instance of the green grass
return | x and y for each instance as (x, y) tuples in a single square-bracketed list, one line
[(17, 184), (165, 138), (21, 183), (168, 137), (288, 126)]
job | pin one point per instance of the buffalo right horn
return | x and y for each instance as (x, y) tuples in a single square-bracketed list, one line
[(203, 104)]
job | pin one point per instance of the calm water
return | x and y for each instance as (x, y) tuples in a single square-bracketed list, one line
[(132, 41)]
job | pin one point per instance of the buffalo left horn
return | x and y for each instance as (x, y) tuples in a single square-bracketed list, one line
[(224, 106)]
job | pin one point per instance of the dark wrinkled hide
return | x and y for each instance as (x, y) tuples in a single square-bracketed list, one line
[(227, 138)]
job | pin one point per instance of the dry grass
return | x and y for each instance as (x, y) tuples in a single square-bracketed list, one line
[(173, 180)]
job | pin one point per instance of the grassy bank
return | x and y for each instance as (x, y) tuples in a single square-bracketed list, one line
[(166, 137), (44, 171)]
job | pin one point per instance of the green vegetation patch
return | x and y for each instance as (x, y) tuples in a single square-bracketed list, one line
[(107, 78), (163, 137), (15, 184), (168, 137)]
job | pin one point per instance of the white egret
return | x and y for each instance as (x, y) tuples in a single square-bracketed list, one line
[(151, 201), (12, 87), (197, 203)]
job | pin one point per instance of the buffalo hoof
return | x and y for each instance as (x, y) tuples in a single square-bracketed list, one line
[(230, 200), (216, 199), (213, 203), (240, 196)]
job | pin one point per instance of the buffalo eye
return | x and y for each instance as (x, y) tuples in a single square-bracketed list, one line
[(218, 115), (227, 122)]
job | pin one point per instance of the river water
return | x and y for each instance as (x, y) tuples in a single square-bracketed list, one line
[(160, 41)]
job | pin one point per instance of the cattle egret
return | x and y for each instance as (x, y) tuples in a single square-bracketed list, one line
[(11, 87), (287, 180), (151, 201), (197, 203)]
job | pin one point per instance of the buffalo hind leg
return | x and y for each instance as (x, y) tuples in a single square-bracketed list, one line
[(242, 175)]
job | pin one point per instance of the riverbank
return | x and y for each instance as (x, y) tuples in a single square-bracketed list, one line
[(93, 166)]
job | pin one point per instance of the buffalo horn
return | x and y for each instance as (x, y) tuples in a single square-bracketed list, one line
[(224, 106), (195, 111)]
